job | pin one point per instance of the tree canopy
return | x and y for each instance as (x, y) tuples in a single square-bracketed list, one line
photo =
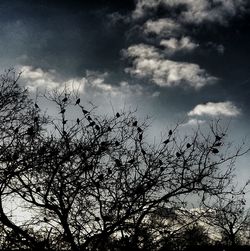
[(90, 181)]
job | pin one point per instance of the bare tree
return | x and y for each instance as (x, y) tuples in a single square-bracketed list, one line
[(89, 180), (230, 218)]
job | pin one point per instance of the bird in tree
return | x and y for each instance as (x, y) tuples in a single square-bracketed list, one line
[(78, 101), (135, 123), (178, 155), (166, 141), (215, 150), (218, 144), (78, 121), (217, 138), (188, 145), (64, 121), (139, 129), (85, 111), (97, 219), (170, 132), (92, 123), (117, 115), (65, 99), (140, 137), (63, 110), (36, 106)]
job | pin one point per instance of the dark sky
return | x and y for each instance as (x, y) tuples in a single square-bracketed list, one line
[(174, 60)]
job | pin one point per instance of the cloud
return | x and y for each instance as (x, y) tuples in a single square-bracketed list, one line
[(37, 78), (215, 109), (193, 122), (147, 62), (193, 11), (174, 45), (163, 27), (94, 83)]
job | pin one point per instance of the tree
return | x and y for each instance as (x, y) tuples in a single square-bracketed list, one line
[(231, 219), (91, 180)]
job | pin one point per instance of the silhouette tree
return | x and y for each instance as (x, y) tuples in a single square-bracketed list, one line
[(90, 180), (231, 219)]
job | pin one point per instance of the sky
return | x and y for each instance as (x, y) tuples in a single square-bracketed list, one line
[(184, 61)]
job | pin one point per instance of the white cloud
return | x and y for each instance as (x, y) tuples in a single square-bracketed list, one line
[(93, 83), (35, 78), (163, 27), (196, 11), (193, 122), (147, 62), (215, 109), (174, 45)]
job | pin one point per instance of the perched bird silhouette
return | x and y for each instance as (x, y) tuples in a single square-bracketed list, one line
[(65, 99), (140, 137), (139, 129), (36, 106), (217, 138), (78, 121), (215, 150), (166, 141), (85, 111), (78, 101), (109, 129), (178, 155), (218, 144), (117, 115), (64, 121), (188, 145), (97, 219), (92, 123), (62, 110), (170, 132), (135, 123)]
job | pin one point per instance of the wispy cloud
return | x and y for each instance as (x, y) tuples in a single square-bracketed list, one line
[(215, 109)]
